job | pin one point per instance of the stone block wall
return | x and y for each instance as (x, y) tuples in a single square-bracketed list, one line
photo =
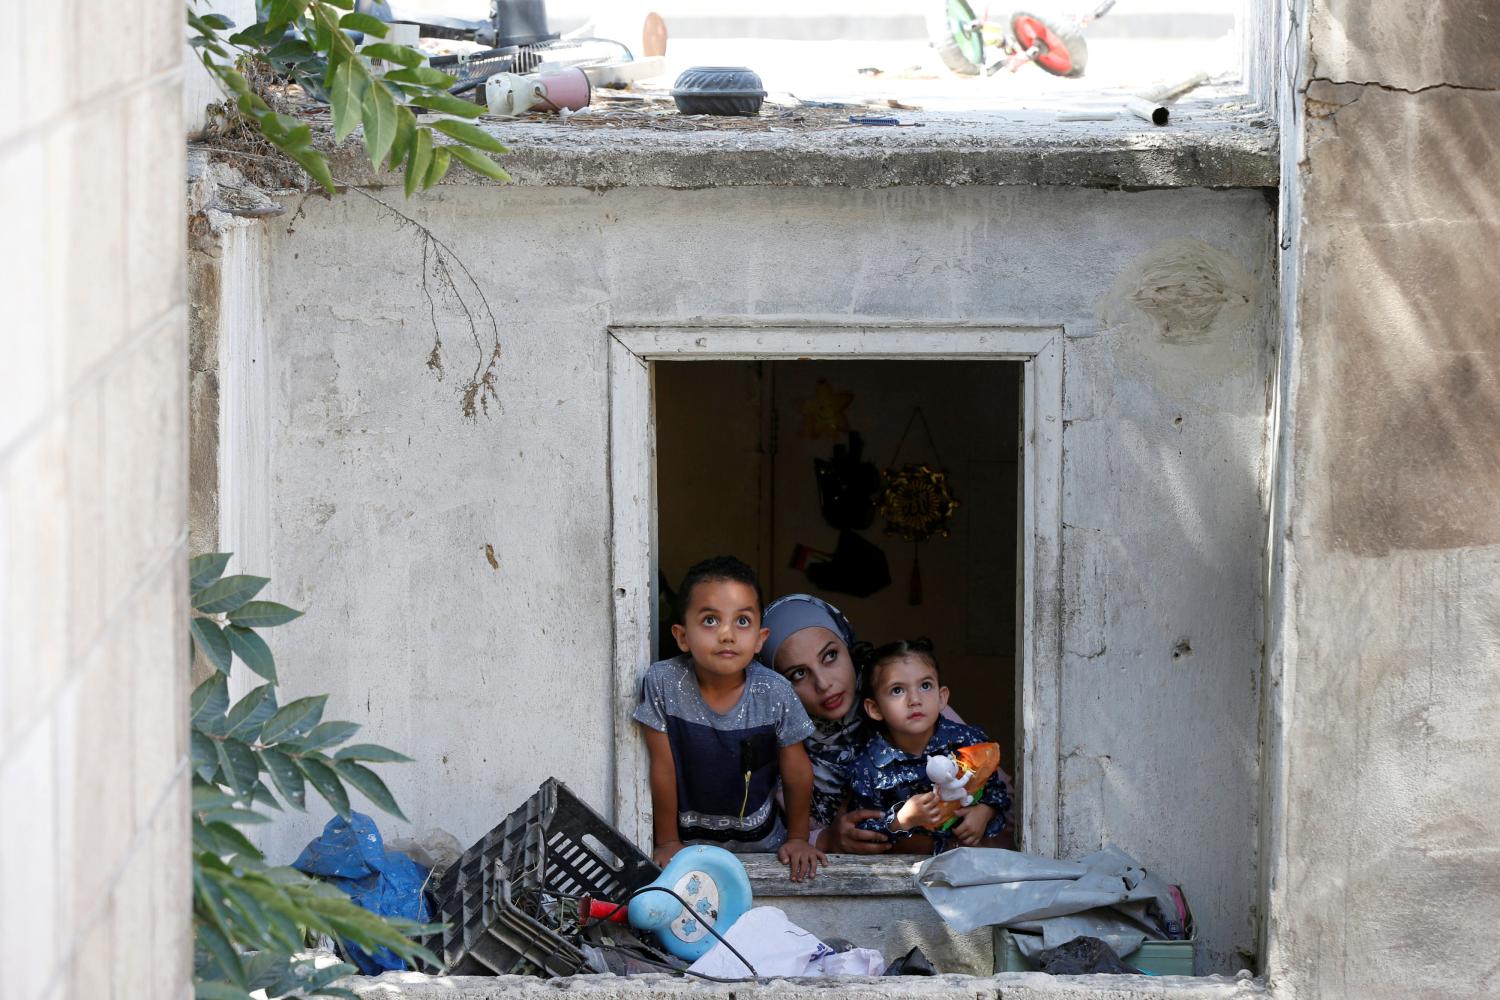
[(94, 881)]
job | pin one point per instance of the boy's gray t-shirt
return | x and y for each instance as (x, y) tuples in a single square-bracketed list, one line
[(727, 767)]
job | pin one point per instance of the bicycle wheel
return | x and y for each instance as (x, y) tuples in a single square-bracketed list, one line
[(960, 46), (1063, 50)]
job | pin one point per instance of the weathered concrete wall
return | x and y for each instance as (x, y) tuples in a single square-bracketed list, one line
[(94, 840), (1387, 651), (456, 571)]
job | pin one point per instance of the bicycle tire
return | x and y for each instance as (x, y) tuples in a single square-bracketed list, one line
[(962, 51), (1064, 51)]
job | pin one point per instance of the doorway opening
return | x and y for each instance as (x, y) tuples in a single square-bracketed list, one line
[(784, 463)]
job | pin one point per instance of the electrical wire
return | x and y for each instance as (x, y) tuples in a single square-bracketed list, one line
[(706, 926)]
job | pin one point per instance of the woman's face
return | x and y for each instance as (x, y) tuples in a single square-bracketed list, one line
[(817, 664)]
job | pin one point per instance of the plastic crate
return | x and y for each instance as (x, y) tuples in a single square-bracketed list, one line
[(1154, 958), (489, 898)]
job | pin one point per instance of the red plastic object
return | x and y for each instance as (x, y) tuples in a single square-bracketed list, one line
[(603, 909), (1054, 55)]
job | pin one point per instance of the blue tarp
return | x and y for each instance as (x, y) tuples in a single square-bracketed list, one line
[(351, 855)]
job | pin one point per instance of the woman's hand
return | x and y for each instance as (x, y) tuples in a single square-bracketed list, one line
[(665, 852), (850, 839), (802, 858), (972, 820), (924, 810)]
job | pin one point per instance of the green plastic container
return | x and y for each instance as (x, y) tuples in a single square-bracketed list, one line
[(1155, 958)]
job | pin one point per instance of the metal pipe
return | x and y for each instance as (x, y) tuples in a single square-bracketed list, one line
[(1156, 114)]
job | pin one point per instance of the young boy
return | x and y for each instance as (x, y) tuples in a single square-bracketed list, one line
[(905, 697), (721, 729)]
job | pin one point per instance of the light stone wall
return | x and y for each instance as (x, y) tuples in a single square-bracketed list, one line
[(1385, 654), (94, 881), (456, 572)]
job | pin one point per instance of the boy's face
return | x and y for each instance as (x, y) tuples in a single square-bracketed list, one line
[(908, 697), (722, 627)]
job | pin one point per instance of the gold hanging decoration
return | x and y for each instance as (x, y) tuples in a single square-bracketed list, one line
[(917, 502)]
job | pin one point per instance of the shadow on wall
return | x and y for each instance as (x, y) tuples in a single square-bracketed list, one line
[(1400, 318)]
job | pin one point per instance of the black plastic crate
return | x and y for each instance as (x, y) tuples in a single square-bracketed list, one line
[(492, 896)]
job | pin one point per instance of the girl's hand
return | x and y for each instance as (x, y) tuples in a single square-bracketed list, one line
[(665, 852), (970, 828), (802, 858), (924, 810), (853, 840)]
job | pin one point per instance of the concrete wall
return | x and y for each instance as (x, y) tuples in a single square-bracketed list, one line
[(1387, 651), (456, 571), (94, 884)]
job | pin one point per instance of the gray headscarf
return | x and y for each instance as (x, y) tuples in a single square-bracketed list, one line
[(835, 742)]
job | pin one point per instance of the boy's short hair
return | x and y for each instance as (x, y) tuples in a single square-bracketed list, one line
[(920, 647), (712, 569)]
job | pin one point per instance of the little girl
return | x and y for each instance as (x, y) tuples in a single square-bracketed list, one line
[(905, 697)]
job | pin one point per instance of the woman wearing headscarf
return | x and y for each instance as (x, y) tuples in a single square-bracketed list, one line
[(812, 645)]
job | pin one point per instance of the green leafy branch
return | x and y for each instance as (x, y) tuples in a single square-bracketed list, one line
[(311, 43), (252, 921)]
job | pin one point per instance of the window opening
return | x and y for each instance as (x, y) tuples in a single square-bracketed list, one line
[(782, 463)]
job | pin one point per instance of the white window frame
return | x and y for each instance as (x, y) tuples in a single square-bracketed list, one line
[(632, 474)]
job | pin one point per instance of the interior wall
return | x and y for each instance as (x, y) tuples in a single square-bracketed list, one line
[(456, 570), (712, 469), (968, 579)]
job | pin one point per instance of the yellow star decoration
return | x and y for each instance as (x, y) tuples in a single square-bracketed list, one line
[(917, 502), (827, 412)]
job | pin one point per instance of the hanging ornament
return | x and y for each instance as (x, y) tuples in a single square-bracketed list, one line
[(826, 412), (917, 503)]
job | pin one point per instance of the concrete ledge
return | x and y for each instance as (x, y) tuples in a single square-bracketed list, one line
[(846, 875), (1208, 145), (1007, 986)]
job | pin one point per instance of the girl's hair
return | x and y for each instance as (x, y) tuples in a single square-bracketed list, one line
[(869, 659)]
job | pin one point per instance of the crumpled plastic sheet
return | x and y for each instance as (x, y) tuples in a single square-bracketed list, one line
[(351, 855), (778, 947), (1045, 902)]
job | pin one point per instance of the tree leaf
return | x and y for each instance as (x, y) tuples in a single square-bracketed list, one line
[(365, 23), (211, 640), (449, 105), (327, 734), (370, 783), (250, 713), (421, 76), (406, 133), (205, 569), (240, 766), (212, 939), (262, 794), (238, 842), (262, 614), (210, 700), (379, 115), (205, 757), (287, 778), (293, 720), (227, 594), (479, 163), (372, 753), (327, 783), (348, 90), (252, 649), (438, 168), (420, 159), (405, 55), (469, 134)]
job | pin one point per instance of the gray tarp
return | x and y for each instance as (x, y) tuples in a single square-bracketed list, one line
[(1045, 902)]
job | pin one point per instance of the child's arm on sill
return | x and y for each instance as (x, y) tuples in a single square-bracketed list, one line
[(663, 797), (801, 857)]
